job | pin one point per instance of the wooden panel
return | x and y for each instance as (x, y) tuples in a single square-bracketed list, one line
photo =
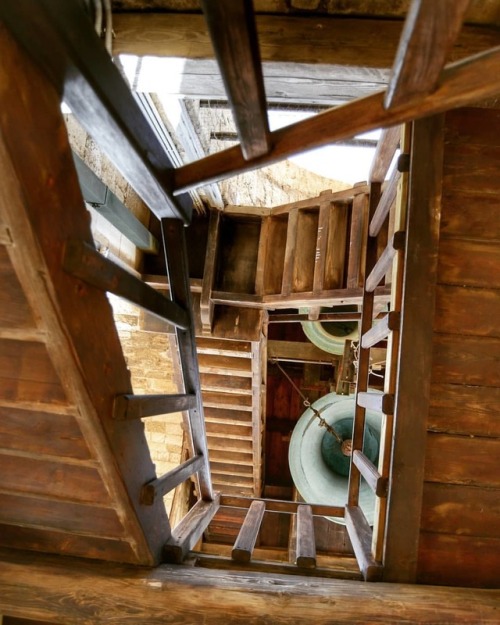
[(472, 168), (428, 36), (219, 415), (462, 460), (59, 515), (291, 250), (14, 308), (384, 153), (461, 510), (336, 247), (458, 560), (472, 126), (68, 592), (357, 241), (245, 542), (57, 479), (226, 400), (467, 311), (305, 250), (225, 365), (42, 433), (360, 534), (469, 263), (464, 409), (61, 542), (465, 360), (226, 383), (220, 347), (460, 215)]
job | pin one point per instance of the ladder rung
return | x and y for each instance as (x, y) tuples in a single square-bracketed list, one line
[(161, 486), (381, 330), (245, 543), (291, 241), (383, 402), (369, 471), (86, 263), (306, 541), (384, 206), (128, 407), (384, 262), (360, 534)]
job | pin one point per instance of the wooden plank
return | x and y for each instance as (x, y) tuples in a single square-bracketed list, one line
[(384, 402), (140, 406), (158, 488), (369, 471), (463, 262), (290, 251), (245, 543), (265, 227), (462, 460), (234, 38), (381, 329), (384, 153), (429, 33), (383, 264), (385, 204), (461, 218), (297, 318), (86, 263), (342, 197), (360, 534), (47, 585), (471, 360), (121, 130), (458, 560), (209, 271), (225, 383), (187, 533), (305, 250), (467, 311), (321, 247), (276, 505), (415, 352), (14, 308), (306, 542), (230, 431), (259, 376), (298, 351), (227, 400), (42, 433), (462, 83), (357, 241), (178, 275), (226, 365), (461, 510), (222, 347), (463, 179), (464, 409)]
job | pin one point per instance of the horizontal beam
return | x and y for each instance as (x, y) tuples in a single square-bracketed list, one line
[(128, 407), (72, 590), (84, 262), (306, 540), (61, 39), (369, 471), (462, 83), (161, 486), (384, 402), (277, 505), (383, 264), (247, 537), (380, 331)]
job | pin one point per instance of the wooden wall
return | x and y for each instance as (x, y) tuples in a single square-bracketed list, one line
[(460, 524)]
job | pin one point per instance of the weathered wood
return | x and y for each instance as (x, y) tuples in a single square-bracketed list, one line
[(140, 406), (328, 196), (227, 365), (360, 534), (369, 471), (234, 38), (298, 352), (178, 276), (15, 312), (380, 330), (429, 33), (384, 153), (376, 401), (298, 317), (225, 383), (461, 83), (291, 249), (463, 262), (385, 204), (306, 542), (158, 488), (458, 307), (86, 263), (415, 350), (288, 507), (383, 264), (209, 271), (244, 544), (259, 375), (357, 241), (227, 400), (186, 534), (321, 249), (274, 256), (223, 347)]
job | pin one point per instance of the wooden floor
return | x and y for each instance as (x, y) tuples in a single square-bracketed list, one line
[(460, 525)]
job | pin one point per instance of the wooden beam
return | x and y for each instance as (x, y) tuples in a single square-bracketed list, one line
[(71, 590), (462, 83), (306, 541), (383, 264), (245, 542), (82, 261), (384, 402), (384, 206), (429, 33), (210, 271), (298, 351), (140, 406), (360, 534), (384, 153), (380, 330), (156, 489), (415, 352), (234, 37), (368, 470)]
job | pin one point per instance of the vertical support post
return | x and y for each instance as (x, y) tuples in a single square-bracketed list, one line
[(178, 275)]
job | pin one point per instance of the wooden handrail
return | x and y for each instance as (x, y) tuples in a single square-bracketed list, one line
[(164, 484)]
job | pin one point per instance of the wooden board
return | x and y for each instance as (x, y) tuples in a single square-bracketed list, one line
[(15, 311), (304, 253), (460, 215), (467, 263)]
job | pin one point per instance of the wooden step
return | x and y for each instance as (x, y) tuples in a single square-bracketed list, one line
[(227, 400), (238, 458), (224, 429), (223, 347), (221, 443), (227, 416), (225, 365)]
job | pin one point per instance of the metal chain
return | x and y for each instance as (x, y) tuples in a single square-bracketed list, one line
[(307, 404)]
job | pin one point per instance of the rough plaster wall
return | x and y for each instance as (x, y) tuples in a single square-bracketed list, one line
[(148, 358)]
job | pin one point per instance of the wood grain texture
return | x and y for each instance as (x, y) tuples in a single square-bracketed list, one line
[(429, 33), (306, 540), (467, 263), (14, 308), (247, 537), (384, 153), (467, 311)]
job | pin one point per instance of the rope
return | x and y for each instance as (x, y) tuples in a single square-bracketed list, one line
[(307, 403)]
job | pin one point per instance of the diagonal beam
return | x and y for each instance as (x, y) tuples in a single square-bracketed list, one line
[(429, 33), (234, 37)]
